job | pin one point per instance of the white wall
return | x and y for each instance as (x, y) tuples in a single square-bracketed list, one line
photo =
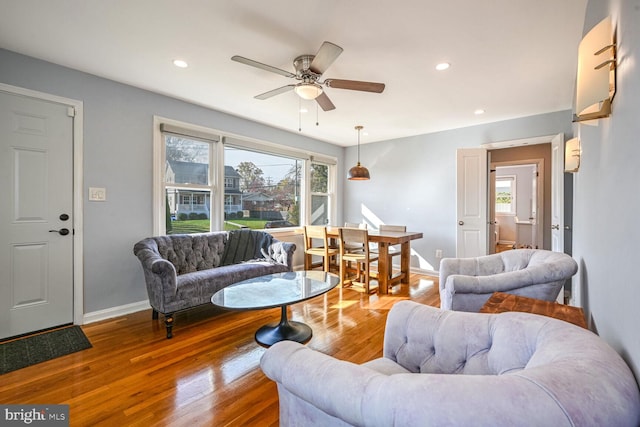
[(606, 196)]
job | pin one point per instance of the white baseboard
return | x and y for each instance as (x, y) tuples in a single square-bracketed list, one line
[(109, 313)]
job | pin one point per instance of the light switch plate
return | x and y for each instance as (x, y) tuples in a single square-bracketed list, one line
[(97, 194)]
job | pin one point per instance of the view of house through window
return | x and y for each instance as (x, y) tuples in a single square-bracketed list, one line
[(262, 187), (187, 185)]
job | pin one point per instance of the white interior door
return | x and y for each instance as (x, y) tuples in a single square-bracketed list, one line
[(36, 175), (557, 193), (471, 206), (471, 235)]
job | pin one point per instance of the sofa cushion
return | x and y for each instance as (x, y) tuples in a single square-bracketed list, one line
[(197, 288)]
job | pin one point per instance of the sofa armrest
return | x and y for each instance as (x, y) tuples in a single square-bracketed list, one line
[(335, 387), (282, 253), (160, 274)]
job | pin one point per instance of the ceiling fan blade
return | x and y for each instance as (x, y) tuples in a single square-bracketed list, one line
[(247, 61), (355, 85), (324, 102), (275, 92), (327, 53)]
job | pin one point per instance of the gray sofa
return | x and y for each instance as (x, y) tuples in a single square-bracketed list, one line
[(182, 271), (467, 283), (450, 368)]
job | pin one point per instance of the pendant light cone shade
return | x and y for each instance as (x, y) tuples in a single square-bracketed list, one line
[(358, 172)]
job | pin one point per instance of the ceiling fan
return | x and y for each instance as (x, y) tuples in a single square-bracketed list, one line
[(309, 70)]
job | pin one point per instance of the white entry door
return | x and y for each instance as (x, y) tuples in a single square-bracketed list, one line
[(36, 178), (471, 204)]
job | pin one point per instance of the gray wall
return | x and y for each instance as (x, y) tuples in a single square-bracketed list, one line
[(413, 180), (605, 238), (118, 122)]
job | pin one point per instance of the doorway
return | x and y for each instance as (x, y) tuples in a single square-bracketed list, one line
[(472, 176), (516, 205), (40, 237)]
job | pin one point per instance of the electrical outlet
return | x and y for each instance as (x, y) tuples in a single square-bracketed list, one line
[(438, 253)]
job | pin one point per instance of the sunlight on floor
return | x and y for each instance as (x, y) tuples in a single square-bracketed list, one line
[(343, 304), (241, 363), (194, 387)]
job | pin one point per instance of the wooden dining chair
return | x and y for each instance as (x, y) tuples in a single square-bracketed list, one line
[(396, 250), (354, 246), (362, 258), (316, 243)]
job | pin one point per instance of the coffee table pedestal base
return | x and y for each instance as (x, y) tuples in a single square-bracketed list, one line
[(284, 330)]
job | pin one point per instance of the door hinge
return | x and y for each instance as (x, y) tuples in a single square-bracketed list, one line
[(71, 111)]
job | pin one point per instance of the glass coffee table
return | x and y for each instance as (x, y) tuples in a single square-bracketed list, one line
[(277, 290)]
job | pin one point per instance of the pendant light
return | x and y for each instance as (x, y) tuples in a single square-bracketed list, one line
[(358, 173)]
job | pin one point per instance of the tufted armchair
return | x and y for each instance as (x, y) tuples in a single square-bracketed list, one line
[(467, 283), (448, 368)]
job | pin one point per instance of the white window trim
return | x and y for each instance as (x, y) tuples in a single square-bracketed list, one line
[(217, 180), (331, 190), (513, 179)]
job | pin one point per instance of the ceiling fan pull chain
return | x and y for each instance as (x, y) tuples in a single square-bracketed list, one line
[(317, 121), (299, 114)]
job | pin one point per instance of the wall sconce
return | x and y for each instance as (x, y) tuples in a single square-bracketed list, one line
[(572, 155), (596, 80)]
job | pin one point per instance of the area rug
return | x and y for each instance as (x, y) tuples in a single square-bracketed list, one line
[(39, 348)]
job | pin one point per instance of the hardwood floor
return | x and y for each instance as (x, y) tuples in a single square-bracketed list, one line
[(209, 373)]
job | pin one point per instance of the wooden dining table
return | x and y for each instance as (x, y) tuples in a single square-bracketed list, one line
[(385, 239)]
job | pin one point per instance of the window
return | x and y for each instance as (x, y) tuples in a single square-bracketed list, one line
[(505, 194), (187, 179), (205, 180), (320, 196), (270, 186)]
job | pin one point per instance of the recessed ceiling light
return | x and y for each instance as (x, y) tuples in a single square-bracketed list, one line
[(442, 66), (180, 63), (478, 111)]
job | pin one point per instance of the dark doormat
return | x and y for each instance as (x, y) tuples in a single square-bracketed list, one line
[(38, 348)]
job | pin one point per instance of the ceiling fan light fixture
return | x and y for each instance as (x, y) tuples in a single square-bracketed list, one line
[(358, 172), (308, 91)]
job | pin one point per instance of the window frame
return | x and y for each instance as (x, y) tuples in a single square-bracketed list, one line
[(513, 180), (216, 171)]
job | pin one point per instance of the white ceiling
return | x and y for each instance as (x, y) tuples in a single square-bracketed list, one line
[(512, 58)]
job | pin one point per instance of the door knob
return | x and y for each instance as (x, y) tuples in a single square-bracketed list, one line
[(460, 222), (62, 231), (555, 227)]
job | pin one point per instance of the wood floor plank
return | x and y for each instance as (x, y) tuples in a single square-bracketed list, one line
[(209, 373)]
